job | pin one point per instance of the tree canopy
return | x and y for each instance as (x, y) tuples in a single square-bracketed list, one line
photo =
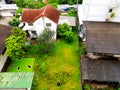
[(15, 44)]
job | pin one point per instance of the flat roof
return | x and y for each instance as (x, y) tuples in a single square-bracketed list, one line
[(16, 80), (100, 70)]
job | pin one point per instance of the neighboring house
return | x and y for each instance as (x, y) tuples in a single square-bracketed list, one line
[(36, 20), (7, 9), (5, 32), (67, 19), (16, 80), (103, 42), (98, 10)]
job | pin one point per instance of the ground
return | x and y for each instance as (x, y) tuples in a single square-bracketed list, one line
[(58, 71)]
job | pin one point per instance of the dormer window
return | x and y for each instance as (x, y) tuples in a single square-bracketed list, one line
[(30, 24), (48, 24)]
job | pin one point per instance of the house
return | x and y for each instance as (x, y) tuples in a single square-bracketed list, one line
[(16, 80), (36, 20), (5, 32), (97, 10), (102, 40), (8, 10)]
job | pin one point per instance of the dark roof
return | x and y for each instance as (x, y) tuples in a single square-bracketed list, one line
[(30, 15), (100, 70), (102, 37), (5, 32)]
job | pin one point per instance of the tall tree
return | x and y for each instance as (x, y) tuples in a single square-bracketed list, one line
[(15, 44)]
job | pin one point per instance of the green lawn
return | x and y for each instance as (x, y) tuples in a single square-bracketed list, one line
[(59, 70), (22, 65)]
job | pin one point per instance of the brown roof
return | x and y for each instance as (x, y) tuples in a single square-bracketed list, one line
[(102, 37), (30, 15), (100, 70), (5, 32)]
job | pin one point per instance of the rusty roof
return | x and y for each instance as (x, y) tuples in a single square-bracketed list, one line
[(102, 37), (100, 70), (5, 32), (30, 15)]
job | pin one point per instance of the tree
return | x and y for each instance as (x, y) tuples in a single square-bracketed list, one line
[(15, 44), (65, 32), (45, 41), (71, 12)]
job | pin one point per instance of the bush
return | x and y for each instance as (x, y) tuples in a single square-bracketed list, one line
[(71, 12), (14, 22), (69, 36), (64, 31)]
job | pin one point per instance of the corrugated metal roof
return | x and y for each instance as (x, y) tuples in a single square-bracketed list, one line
[(100, 70), (102, 37)]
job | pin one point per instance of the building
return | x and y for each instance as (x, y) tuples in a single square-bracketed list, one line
[(103, 42), (8, 9), (98, 10), (5, 32), (16, 80), (36, 20)]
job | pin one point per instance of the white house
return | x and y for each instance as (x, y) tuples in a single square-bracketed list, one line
[(36, 20), (99, 10), (8, 9)]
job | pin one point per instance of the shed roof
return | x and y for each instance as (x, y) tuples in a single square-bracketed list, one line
[(30, 15), (100, 70), (5, 32), (67, 19), (102, 37), (16, 80)]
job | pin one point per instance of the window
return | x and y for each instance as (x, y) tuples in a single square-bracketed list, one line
[(48, 24), (110, 10), (30, 24)]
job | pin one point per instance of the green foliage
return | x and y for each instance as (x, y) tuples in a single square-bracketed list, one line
[(54, 5), (14, 22), (112, 14), (69, 36), (15, 44), (87, 87), (29, 3), (43, 67), (64, 31), (65, 1), (82, 48), (71, 12), (45, 41)]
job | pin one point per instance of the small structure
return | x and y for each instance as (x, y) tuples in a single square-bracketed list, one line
[(36, 20), (5, 32), (67, 19), (16, 80), (8, 9)]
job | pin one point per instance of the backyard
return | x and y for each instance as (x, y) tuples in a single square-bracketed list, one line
[(59, 70)]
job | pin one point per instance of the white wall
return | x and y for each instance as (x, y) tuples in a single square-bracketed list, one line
[(40, 24), (97, 10), (7, 12)]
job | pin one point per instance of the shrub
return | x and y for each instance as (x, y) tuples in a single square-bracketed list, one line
[(14, 22), (69, 36), (71, 12)]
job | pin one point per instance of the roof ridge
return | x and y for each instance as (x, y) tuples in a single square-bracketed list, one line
[(44, 10)]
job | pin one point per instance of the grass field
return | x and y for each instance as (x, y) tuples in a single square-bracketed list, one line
[(60, 70), (23, 65)]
